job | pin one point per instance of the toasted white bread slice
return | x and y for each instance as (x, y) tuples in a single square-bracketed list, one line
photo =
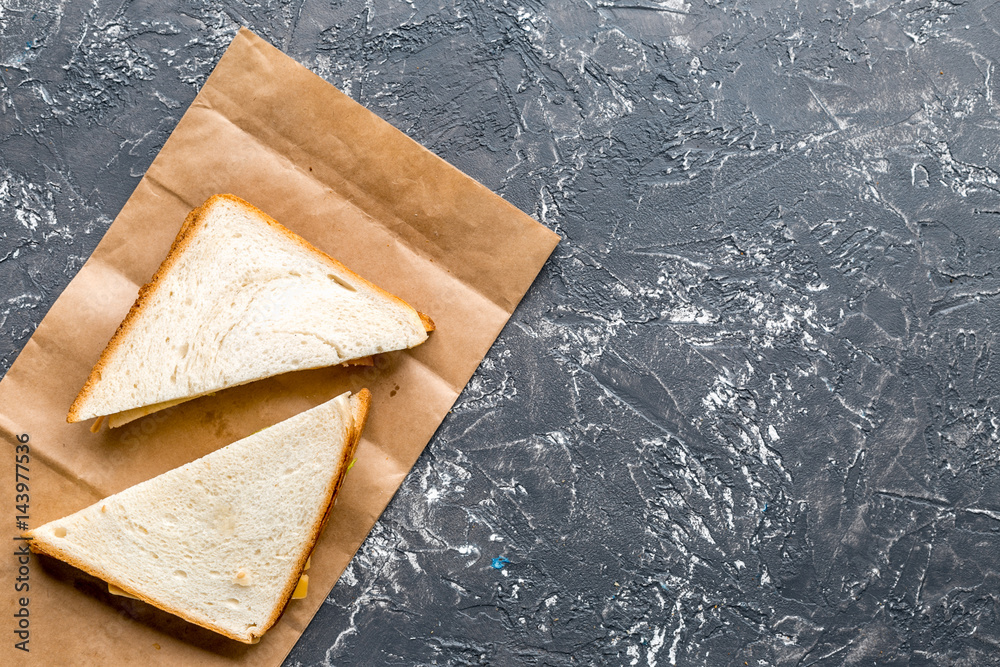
[(220, 541), (239, 298)]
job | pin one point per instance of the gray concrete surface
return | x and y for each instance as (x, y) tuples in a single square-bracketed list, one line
[(748, 413)]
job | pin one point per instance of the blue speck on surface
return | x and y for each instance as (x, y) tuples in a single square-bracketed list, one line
[(499, 562)]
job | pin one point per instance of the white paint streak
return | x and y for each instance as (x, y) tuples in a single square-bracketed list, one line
[(672, 654), (655, 644)]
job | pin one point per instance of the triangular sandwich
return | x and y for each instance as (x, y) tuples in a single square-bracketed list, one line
[(221, 541), (239, 298)]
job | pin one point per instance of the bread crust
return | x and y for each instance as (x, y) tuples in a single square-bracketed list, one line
[(192, 223), (360, 416)]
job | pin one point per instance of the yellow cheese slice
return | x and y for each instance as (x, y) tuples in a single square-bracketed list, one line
[(302, 588), (122, 418), (114, 590)]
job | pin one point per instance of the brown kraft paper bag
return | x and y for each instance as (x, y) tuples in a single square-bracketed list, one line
[(265, 129)]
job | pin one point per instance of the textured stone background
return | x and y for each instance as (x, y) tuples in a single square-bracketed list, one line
[(748, 414)]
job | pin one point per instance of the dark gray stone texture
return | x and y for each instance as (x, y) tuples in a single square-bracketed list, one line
[(748, 413)]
